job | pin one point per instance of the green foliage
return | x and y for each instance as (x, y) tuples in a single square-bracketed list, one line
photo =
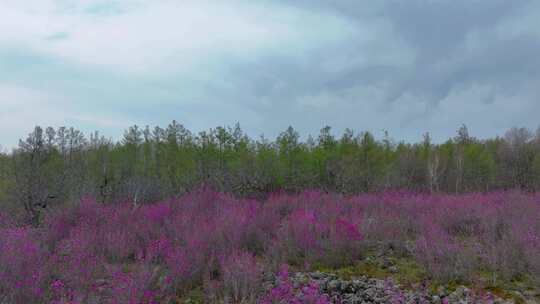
[(151, 164), (5, 180), (479, 167), (536, 169), (407, 271), (195, 296)]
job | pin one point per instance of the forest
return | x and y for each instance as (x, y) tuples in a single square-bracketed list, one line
[(54, 166), (168, 216)]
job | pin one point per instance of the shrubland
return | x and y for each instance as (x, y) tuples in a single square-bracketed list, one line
[(227, 248), (52, 167)]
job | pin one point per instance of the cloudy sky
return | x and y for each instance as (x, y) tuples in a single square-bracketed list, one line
[(404, 66)]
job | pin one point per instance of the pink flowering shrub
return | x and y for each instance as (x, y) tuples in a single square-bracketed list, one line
[(133, 287), (314, 228), (5, 221), (22, 273), (154, 253), (443, 257), (240, 279), (78, 263), (311, 236), (390, 219), (524, 237), (454, 235)]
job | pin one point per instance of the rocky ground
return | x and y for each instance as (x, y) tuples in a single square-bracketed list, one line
[(376, 281), (362, 290)]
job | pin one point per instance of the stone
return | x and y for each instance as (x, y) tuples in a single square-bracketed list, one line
[(333, 285), (393, 269), (369, 290)]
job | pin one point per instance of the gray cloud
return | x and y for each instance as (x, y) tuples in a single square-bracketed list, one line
[(418, 54), (403, 66)]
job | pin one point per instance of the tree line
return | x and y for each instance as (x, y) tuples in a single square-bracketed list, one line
[(55, 166)]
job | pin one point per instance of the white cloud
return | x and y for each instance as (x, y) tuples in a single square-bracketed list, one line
[(160, 35), (22, 108), (268, 64), (21, 105)]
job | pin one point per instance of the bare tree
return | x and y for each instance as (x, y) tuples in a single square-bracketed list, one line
[(433, 172), (520, 156), (30, 174)]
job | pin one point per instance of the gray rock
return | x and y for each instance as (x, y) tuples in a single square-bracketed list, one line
[(369, 290), (317, 275), (333, 285), (393, 269)]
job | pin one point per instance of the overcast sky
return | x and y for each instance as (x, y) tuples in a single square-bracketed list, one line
[(404, 66)]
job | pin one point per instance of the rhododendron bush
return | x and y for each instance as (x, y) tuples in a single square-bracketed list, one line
[(119, 253)]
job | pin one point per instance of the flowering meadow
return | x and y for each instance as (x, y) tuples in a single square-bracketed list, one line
[(227, 247)]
